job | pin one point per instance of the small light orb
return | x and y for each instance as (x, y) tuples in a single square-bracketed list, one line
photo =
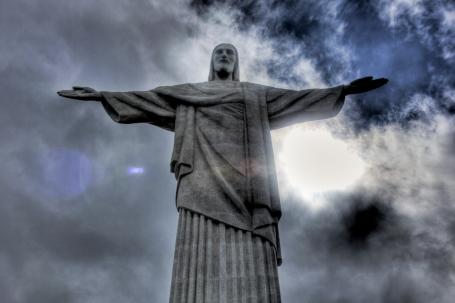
[(134, 170)]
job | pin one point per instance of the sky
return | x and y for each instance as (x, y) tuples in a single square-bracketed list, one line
[(87, 210)]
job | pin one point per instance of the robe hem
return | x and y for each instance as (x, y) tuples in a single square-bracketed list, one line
[(277, 254)]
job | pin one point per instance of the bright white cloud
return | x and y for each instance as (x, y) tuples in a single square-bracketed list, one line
[(189, 57)]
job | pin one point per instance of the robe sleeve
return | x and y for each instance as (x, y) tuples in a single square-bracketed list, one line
[(286, 107), (140, 107)]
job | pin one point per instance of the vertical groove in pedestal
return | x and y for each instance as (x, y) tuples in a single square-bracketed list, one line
[(214, 262)]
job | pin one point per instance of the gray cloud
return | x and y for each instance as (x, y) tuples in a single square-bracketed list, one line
[(76, 227), (391, 238)]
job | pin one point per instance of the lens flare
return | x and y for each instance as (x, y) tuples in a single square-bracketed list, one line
[(135, 170), (65, 173)]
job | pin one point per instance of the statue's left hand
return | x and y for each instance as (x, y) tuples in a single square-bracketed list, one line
[(363, 85)]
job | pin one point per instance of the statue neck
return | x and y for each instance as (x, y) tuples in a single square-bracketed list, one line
[(223, 75)]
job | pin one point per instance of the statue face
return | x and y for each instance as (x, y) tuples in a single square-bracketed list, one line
[(224, 58)]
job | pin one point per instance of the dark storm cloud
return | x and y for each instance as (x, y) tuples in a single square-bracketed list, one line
[(76, 227), (362, 249), (291, 24), (391, 239)]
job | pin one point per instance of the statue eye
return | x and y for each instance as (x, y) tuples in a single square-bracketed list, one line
[(229, 51), (218, 51)]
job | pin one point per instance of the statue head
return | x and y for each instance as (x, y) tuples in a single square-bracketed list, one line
[(224, 64)]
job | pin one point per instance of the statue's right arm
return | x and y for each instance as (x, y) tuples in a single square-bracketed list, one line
[(81, 93), (130, 107)]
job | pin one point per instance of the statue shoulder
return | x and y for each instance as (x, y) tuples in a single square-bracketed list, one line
[(256, 87), (210, 85), (168, 89)]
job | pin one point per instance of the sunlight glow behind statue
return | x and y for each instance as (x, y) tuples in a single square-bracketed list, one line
[(227, 247), (315, 162)]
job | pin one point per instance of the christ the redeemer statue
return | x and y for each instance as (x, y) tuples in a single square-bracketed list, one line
[(227, 248)]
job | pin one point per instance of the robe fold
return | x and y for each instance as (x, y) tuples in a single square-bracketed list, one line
[(223, 157)]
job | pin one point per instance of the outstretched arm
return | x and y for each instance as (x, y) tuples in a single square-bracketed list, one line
[(130, 107), (286, 107), (363, 85)]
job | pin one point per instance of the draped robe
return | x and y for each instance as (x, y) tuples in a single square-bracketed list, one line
[(222, 157)]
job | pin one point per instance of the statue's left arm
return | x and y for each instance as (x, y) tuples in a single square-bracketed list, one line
[(286, 107)]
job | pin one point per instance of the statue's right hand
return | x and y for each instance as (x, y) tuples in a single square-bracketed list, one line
[(81, 93)]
